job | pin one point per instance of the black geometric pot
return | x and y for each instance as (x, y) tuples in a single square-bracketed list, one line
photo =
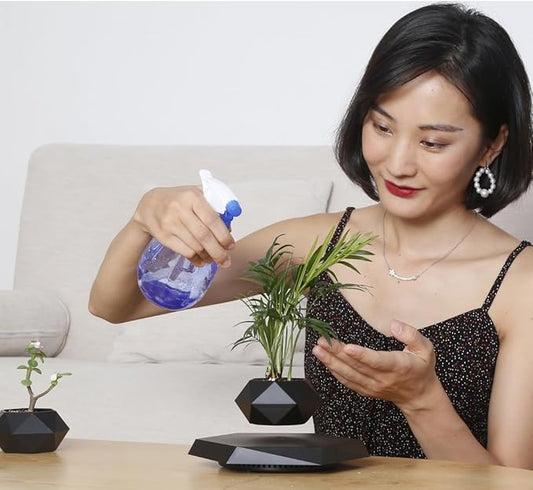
[(31, 432), (279, 402)]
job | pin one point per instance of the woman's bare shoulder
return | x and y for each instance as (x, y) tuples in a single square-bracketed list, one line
[(496, 243), (512, 307), (521, 272)]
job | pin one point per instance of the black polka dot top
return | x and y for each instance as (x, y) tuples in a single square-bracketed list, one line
[(466, 348)]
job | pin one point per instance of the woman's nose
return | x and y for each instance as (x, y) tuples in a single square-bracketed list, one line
[(402, 159)]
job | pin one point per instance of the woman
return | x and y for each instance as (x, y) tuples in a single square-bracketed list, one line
[(435, 362)]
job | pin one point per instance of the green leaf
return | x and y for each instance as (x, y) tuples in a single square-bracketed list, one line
[(37, 370), (278, 314), (26, 382), (32, 363), (22, 367)]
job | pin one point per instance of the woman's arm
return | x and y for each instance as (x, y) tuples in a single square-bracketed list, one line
[(511, 407), (438, 428), (115, 295), (442, 433), (182, 220)]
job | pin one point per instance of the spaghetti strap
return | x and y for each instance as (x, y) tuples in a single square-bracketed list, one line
[(497, 283), (340, 228)]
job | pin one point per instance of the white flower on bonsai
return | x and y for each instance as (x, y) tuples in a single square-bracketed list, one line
[(279, 312), (34, 349)]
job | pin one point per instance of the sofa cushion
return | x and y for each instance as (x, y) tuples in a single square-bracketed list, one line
[(27, 315), (160, 340)]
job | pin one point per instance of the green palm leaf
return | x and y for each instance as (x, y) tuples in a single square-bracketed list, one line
[(278, 313)]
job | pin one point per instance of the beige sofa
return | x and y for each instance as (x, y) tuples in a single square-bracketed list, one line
[(167, 379)]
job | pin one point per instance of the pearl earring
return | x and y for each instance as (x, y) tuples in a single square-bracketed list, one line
[(480, 190)]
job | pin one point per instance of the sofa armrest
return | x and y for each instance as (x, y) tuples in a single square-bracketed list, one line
[(27, 315)]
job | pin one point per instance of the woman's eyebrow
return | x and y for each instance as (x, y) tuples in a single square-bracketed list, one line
[(440, 127), (382, 111), (448, 128)]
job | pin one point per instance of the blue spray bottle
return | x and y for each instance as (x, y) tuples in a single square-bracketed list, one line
[(168, 279)]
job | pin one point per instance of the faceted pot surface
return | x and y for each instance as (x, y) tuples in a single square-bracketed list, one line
[(279, 402), (39, 431)]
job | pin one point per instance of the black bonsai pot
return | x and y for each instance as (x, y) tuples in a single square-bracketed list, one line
[(278, 402), (39, 431)]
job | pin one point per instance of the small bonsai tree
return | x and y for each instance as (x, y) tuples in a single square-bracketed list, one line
[(279, 312), (35, 352)]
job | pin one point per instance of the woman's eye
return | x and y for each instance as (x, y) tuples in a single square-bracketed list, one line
[(381, 128), (433, 145)]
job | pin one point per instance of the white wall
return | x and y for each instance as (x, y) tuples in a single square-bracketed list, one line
[(184, 73)]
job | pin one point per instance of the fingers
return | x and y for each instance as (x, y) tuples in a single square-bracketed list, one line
[(194, 253), (181, 219), (196, 245), (363, 359), (341, 370), (335, 346), (208, 232), (414, 341)]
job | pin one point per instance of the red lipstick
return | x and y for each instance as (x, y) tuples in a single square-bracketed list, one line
[(400, 191)]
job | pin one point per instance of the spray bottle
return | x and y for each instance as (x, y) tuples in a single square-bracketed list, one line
[(168, 279)]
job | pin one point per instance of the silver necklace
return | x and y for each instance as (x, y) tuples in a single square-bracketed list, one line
[(397, 276)]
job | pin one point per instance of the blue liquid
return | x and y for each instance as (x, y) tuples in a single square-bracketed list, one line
[(169, 280), (167, 297)]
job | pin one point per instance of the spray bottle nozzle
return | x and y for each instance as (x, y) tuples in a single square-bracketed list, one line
[(233, 209), (220, 197)]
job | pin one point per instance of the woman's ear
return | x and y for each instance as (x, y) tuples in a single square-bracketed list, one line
[(495, 147)]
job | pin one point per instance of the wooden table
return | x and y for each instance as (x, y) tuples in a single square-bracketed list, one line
[(92, 465)]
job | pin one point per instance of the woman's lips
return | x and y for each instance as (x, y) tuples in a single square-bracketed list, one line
[(400, 191)]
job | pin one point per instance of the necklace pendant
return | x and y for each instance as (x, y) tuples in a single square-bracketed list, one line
[(392, 273)]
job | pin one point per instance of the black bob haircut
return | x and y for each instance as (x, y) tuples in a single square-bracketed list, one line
[(475, 54)]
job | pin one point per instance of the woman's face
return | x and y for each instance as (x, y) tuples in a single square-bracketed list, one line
[(422, 145)]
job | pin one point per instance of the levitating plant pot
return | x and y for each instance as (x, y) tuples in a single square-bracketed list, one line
[(39, 431), (278, 402), (278, 316)]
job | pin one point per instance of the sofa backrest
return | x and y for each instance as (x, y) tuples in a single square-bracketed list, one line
[(78, 196)]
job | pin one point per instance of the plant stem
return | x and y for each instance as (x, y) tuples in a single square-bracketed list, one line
[(34, 398), (31, 406)]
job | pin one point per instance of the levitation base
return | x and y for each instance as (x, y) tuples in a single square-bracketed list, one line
[(266, 452)]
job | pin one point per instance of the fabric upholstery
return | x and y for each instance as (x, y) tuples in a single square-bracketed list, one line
[(28, 315)]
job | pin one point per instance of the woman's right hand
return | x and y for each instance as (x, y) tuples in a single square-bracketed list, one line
[(181, 219)]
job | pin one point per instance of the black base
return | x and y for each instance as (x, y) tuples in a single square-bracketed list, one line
[(31, 432), (278, 452)]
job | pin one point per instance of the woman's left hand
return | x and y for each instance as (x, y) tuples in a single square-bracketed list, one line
[(402, 377)]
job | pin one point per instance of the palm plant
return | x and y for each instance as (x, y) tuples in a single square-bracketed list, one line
[(279, 313)]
